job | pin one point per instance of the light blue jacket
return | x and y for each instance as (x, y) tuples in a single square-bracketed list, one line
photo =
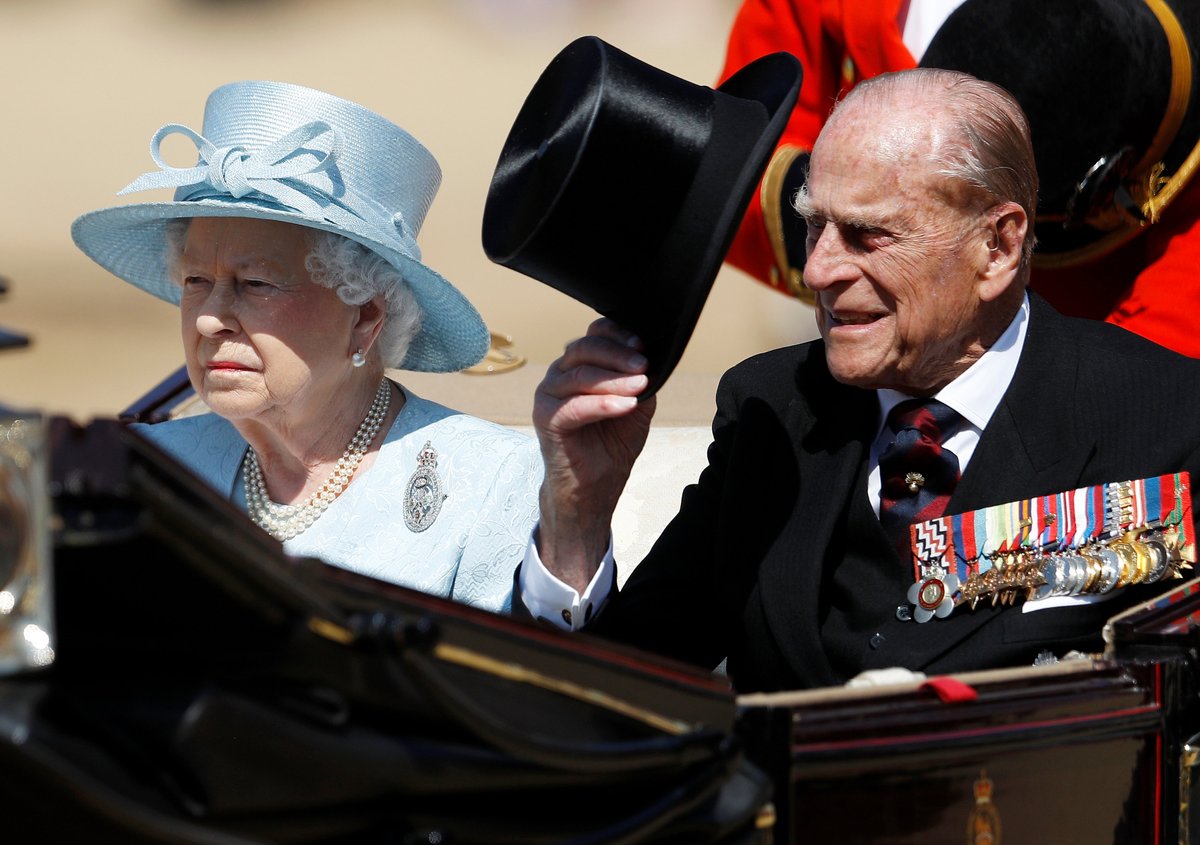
[(490, 475)]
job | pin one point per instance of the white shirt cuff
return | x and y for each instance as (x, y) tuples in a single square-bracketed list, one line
[(548, 598)]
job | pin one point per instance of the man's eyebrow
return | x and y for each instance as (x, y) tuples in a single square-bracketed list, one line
[(803, 205), (852, 221), (856, 222)]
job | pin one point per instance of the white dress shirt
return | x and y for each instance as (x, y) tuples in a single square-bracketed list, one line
[(974, 395)]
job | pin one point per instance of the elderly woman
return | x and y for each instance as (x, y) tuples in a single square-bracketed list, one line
[(290, 249)]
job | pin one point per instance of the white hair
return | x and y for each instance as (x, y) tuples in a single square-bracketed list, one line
[(987, 145), (358, 275)]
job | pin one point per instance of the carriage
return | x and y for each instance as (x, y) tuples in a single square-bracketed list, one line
[(169, 675)]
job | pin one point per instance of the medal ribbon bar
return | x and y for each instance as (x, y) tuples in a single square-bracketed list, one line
[(1091, 540)]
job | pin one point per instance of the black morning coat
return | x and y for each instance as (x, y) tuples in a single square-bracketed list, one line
[(776, 562)]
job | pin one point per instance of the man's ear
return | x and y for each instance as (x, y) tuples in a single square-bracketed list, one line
[(1006, 230), (370, 322)]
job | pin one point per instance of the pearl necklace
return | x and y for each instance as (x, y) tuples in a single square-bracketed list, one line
[(283, 522)]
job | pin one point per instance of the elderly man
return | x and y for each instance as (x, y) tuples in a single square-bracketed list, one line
[(1104, 255), (919, 201)]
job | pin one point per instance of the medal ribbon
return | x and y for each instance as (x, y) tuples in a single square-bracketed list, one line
[(969, 544)]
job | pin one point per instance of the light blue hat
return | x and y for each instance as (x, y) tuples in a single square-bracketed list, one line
[(275, 151)]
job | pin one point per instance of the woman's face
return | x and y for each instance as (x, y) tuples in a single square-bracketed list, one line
[(263, 342)]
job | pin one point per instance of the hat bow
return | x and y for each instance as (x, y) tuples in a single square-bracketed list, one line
[(298, 171)]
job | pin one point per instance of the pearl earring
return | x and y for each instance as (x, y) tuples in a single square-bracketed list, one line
[(358, 358)]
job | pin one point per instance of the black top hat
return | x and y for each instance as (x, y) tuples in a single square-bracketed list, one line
[(622, 185), (1112, 91)]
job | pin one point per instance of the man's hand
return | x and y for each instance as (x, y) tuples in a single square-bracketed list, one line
[(591, 429)]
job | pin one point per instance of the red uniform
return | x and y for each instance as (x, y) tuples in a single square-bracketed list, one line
[(1150, 285)]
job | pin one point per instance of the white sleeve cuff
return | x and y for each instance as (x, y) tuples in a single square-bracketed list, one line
[(548, 598)]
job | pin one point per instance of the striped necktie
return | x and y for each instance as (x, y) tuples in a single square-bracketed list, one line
[(917, 475)]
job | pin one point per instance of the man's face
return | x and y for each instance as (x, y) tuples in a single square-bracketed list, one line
[(893, 264)]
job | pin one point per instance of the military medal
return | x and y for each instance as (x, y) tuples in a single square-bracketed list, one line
[(933, 595), (423, 496), (1088, 541)]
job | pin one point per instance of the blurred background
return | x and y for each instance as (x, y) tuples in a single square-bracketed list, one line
[(84, 85)]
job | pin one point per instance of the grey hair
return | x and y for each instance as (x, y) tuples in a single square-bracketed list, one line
[(352, 271), (988, 143)]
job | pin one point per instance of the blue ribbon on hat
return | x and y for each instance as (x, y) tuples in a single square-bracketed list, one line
[(292, 172)]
